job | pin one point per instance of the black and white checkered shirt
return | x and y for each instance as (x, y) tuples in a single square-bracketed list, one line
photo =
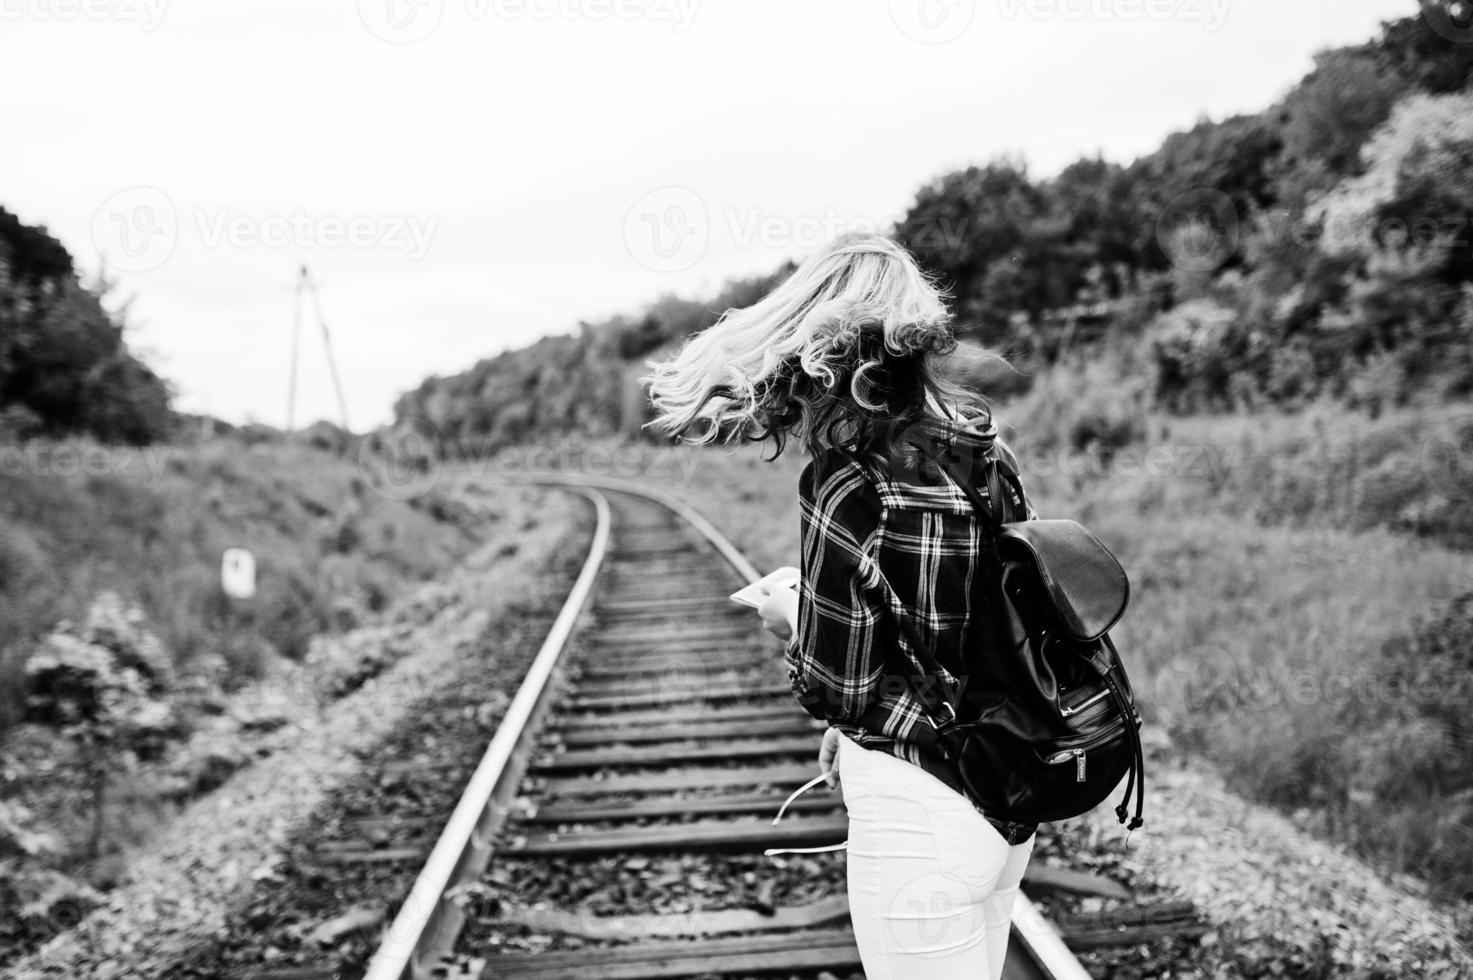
[(876, 532)]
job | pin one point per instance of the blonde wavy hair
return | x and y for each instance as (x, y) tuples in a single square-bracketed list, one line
[(845, 351)]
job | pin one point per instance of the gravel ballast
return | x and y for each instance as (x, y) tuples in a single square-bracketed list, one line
[(1282, 903)]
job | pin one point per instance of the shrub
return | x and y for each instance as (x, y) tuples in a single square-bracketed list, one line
[(1193, 347), (100, 685), (1096, 406)]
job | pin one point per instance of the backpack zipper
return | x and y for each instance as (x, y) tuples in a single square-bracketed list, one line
[(1095, 698), (1077, 752), (1077, 755)]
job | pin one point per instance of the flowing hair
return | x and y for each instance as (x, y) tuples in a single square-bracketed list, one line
[(845, 351)]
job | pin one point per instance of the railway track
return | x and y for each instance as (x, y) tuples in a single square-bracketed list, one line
[(632, 784)]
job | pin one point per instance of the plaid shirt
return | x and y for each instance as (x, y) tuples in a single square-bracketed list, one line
[(879, 539)]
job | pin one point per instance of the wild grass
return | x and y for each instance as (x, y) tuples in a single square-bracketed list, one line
[(77, 519), (1289, 576), (526, 542)]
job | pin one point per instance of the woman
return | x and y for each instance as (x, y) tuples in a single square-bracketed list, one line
[(846, 356)]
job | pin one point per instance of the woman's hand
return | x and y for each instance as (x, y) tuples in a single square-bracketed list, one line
[(828, 757), (779, 612)]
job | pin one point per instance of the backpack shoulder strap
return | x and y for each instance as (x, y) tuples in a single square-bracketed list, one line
[(939, 699), (992, 512)]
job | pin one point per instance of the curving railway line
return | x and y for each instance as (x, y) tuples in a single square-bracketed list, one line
[(631, 787)]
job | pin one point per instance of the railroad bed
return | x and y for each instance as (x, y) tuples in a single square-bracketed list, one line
[(616, 827)]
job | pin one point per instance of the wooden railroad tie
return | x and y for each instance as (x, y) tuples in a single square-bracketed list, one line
[(699, 835), (628, 756), (805, 950), (791, 774), (713, 692), (770, 927), (653, 807), (673, 685), (726, 714), (787, 724)]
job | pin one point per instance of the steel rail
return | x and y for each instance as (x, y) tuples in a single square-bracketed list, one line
[(429, 921), (1043, 944), (687, 513)]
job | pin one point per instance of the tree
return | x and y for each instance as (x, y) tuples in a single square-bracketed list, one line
[(985, 232), (1331, 113), (1226, 166), (1431, 49), (35, 256), (65, 367), (1415, 188), (568, 384), (102, 686), (1094, 197)]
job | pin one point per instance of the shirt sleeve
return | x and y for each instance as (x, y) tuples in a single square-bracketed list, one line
[(832, 667)]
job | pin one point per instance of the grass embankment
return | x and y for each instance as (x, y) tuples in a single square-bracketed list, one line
[(150, 524), (234, 884), (1294, 584), (341, 584)]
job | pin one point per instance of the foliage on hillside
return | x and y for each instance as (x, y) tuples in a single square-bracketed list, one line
[(1317, 249), (561, 385), (129, 681), (65, 366), (78, 519)]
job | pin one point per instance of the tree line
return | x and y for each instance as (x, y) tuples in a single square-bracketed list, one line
[(1319, 248), (65, 364)]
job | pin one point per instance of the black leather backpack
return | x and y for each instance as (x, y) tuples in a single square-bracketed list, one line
[(1042, 724)]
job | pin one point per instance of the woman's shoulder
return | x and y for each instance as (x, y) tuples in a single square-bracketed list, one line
[(836, 477)]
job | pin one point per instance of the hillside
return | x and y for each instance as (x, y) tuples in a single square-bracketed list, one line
[(130, 685), (586, 383), (1317, 250)]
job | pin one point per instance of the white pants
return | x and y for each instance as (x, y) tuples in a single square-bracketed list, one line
[(931, 882)]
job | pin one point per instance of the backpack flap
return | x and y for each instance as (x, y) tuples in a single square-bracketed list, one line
[(1084, 582)]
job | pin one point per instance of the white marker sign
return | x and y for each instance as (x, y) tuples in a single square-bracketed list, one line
[(238, 573)]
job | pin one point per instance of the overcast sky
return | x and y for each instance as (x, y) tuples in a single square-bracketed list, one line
[(463, 176)]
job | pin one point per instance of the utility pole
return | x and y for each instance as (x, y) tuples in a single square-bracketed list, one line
[(306, 286), (291, 391)]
